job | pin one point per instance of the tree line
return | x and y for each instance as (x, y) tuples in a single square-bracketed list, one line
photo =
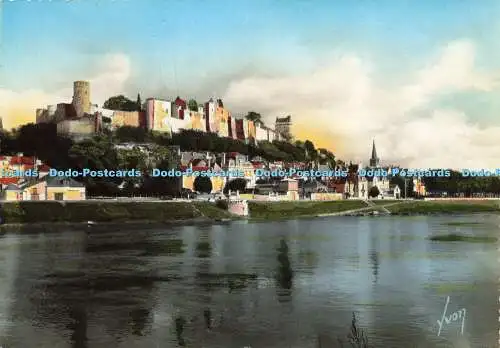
[(100, 152)]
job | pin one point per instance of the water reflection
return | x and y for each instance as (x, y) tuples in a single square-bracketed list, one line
[(284, 276), (78, 327), (180, 322), (98, 277), (374, 255), (375, 264), (204, 253), (131, 288)]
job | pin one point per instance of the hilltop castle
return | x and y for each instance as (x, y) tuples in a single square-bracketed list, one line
[(81, 118)]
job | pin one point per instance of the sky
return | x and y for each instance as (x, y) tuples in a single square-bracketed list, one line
[(421, 77)]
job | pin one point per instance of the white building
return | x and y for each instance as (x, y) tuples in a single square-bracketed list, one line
[(359, 186), (381, 182)]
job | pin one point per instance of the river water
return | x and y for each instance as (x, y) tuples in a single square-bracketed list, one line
[(241, 284)]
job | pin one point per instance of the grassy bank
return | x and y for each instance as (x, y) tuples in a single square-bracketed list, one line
[(444, 207), (33, 212), (383, 201), (46, 212), (290, 209)]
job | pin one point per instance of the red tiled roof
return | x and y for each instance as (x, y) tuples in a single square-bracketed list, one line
[(7, 181), (29, 166), (22, 160), (258, 165), (336, 182), (196, 168)]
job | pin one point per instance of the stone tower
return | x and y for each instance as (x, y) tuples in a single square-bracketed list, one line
[(81, 97), (374, 160), (283, 126)]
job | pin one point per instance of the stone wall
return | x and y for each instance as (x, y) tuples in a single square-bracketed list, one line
[(238, 207)]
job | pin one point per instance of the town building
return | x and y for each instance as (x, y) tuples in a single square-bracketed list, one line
[(357, 186), (382, 182), (419, 187), (188, 181), (38, 185), (46, 188)]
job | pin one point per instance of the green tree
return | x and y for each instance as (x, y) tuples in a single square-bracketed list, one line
[(192, 105), (168, 186), (126, 134), (130, 159), (238, 184), (40, 140), (120, 103), (255, 117), (299, 143), (202, 184), (97, 153), (134, 158), (310, 150), (327, 157), (295, 152), (374, 192), (139, 102)]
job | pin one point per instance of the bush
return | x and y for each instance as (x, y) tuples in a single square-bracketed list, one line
[(234, 185), (202, 184), (222, 204), (374, 192)]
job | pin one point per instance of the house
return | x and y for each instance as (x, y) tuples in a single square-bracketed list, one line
[(46, 188), (337, 185), (308, 187), (200, 165), (23, 164), (393, 193), (64, 189)]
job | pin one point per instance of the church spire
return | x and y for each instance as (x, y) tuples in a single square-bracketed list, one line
[(374, 160)]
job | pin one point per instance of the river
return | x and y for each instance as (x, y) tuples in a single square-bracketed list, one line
[(242, 284)]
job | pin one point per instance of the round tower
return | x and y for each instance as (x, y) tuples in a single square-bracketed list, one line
[(81, 97)]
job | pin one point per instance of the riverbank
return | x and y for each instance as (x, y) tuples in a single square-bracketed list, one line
[(188, 212), (295, 209), (444, 207), (77, 212)]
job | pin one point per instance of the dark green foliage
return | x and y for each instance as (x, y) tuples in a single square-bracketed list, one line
[(121, 103), (374, 192), (202, 184), (238, 184)]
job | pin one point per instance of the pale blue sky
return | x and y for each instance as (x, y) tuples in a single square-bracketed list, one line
[(40, 39)]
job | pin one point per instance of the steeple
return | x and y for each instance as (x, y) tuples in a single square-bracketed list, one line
[(374, 160)]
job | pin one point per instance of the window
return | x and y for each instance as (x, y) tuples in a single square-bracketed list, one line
[(59, 196)]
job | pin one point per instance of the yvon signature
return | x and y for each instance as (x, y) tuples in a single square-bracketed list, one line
[(454, 317)]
